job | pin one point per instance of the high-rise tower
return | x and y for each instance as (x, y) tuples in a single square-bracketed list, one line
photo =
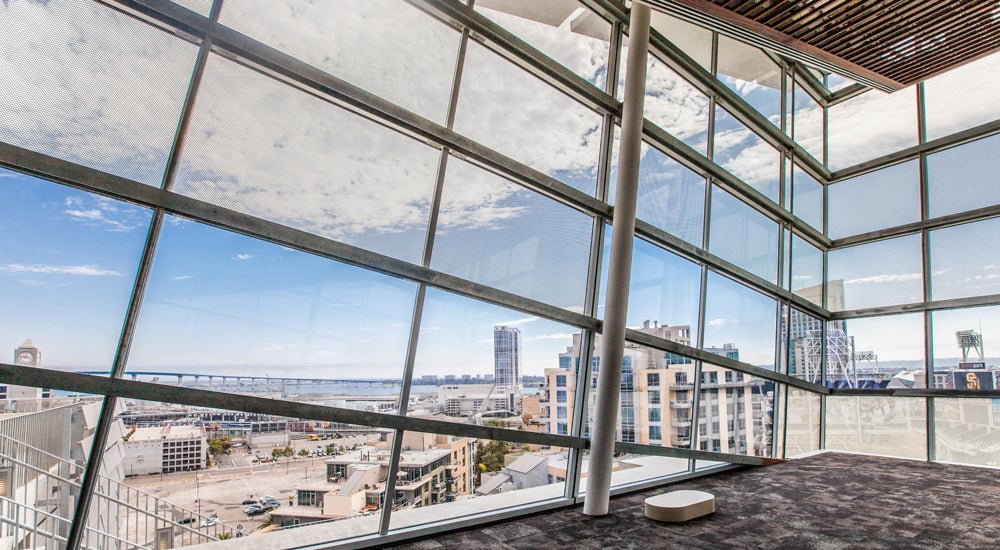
[(506, 355)]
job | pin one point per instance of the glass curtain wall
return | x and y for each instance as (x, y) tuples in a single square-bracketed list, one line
[(371, 246)]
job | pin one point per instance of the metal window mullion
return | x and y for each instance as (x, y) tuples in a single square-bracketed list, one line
[(88, 484), (418, 305), (700, 342), (925, 249), (583, 370)]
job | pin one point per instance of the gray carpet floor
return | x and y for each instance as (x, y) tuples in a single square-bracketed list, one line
[(827, 501)]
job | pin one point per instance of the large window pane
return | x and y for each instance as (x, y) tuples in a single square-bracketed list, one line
[(871, 125), (876, 200), (739, 323), (967, 431), (567, 32), (807, 123), (750, 73), (807, 198), (876, 352), (664, 288), (673, 104), (388, 48), (807, 270), (962, 263), (963, 348), (67, 264), (745, 155), (491, 363), (307, 164), (877, 274), (964, 177), (802, 426), (505, 108), (888, 426), (221, 306), (805, 345), (498, 233), (90, 85), (743, 236), (963, 97), (670, 196), (735, 412)]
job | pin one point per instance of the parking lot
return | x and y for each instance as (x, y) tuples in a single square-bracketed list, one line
[(235, 478)]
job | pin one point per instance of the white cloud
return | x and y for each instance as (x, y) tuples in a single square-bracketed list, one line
[(180, 277), (86, 270), (718, 322), (888, 278), (242, 257), (516, 322)]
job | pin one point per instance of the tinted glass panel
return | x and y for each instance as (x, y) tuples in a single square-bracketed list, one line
[(807, 270), (671, 197), (87, 84), (390, 49), (743, 236), (565, 31), (307, 164), (509, 110), (876, 200), (964, 177), (745, 155), (962, 97), (497, 233), (871, 125), (803, 422), (961, 265), (807, 123), (877, 274), (965, 431), (876, 352), (888, 426), (807, 198)]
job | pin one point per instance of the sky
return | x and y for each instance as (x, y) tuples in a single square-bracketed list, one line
[(113, 93)]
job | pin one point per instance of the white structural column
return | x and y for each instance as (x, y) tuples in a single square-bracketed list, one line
[(602, 431)]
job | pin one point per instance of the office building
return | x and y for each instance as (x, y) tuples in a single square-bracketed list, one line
[(353, 198)]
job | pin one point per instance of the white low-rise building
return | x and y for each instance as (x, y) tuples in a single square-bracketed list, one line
[(165, 449)]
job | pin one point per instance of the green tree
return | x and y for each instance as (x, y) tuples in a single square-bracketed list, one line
[(489, 457), (303, 452), (288, 451), (276, 452), (331, 449)]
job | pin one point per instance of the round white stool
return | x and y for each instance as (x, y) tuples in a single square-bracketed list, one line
[(677, 506)]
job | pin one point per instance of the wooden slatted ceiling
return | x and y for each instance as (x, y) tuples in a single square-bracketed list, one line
[(904, 41)]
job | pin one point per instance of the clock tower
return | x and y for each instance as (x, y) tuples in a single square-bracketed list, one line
[(26, 355)]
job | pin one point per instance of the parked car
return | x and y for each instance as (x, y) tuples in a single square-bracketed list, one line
[(267, 498), (210, 521), (253, 511), (249, 501), (185, 521), (270, 505)]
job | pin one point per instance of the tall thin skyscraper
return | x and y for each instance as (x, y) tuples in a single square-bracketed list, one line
[(506, 355)]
